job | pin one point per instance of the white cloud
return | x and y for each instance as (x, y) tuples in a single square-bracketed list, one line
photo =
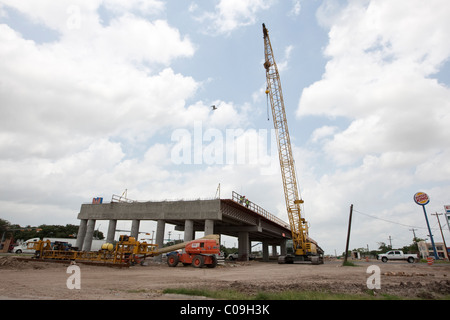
[(65, 103), (232, 14), (137, 40), (322, 133), (193, 7), (67, 15), (379, 76), (59, 15), (66, 93), (283, 64), (142, 6), (296, 8)]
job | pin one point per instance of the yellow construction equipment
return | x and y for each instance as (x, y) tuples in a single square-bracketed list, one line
[(301, 248), (127, 251)]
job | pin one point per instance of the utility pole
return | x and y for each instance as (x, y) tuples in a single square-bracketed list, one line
[(414, 233), (442, 234), (348, 234), (414, 239), (390, 241)]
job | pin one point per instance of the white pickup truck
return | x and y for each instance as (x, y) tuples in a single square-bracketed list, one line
[(397, 255)]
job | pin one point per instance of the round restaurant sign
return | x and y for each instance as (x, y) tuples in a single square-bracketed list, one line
[(421, 198)]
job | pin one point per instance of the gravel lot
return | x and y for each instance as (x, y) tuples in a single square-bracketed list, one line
[(45, 280)]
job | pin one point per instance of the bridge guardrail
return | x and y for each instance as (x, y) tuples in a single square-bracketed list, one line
[(236, 197)]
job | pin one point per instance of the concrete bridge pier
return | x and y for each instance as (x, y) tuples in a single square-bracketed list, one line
[(111, 231), (274, 250), (188, 230), (243, 243), (81, 233), (135, 228), (160, 229), (283, 248), (209, 227), (87, 243), (265, 247)]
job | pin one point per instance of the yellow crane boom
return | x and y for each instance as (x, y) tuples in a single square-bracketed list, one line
[(303, 248)]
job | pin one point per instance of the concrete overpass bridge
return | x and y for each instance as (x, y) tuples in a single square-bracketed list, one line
[(233, 217)]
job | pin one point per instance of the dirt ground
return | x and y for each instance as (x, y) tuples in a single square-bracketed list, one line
[(45, 280)]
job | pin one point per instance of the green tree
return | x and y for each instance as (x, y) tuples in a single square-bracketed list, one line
[(227, 251), (413, 247), (49, 231), (383, 248), (172, 243), (4, 225), (5, 228)]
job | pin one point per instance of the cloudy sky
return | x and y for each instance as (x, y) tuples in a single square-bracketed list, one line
[(100, 96)]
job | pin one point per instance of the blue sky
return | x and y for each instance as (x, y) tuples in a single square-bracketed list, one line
[(95, 96)]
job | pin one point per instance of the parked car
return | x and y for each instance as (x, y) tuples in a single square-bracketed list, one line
[(234, 256)]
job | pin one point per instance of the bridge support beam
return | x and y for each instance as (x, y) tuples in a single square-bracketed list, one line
[(81, 233), (265, 246), (209, 227), (160, 229), (87, 244), (111, 231), (243, 241), (135, 228)]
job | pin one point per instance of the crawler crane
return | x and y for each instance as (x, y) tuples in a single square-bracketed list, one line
[(301, 247)]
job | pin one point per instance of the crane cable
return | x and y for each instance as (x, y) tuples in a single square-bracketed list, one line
[(267, 98)]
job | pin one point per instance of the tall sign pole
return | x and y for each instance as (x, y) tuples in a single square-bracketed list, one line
[(422, 199)]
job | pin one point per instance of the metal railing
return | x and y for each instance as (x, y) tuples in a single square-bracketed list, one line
[(236, 197), (116, 198)]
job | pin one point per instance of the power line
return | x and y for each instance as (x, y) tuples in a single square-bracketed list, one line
[(398, 223)]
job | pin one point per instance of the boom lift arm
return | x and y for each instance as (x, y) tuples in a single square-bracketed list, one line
[(303, 248)]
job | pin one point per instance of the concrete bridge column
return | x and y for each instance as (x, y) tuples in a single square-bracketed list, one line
[(135, 228), (81, 234), (87, 244), (283, 248), (274, 251), (111, 231), (160, 229), (188, 230), (265, 246), (209, 227), (243, 241)]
